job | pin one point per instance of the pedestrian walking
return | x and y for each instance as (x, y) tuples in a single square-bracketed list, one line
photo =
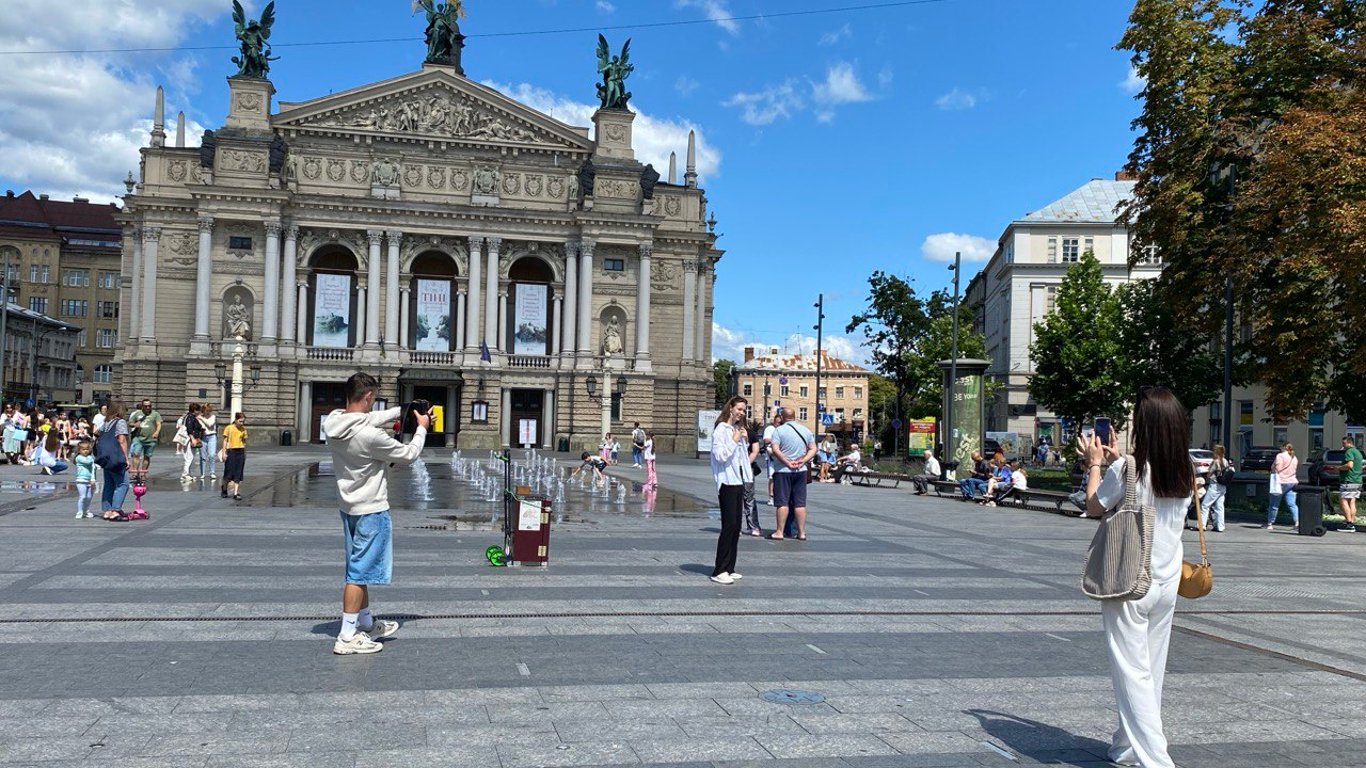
[(85, 479), (208, 452), (146, 425), (793, 446), (730, 467), (932, 472), (750, 525), (605, 448), (363, 448), (648, 454), (1282, 486), (637, 446), (111, 455), (234, 456), (194, 441), (1216, 490), (1138, 632), (1349, 487)]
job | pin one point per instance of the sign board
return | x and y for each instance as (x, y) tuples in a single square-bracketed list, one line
[(528, 515), (920, 436), (827, 419), (332, 311), (706, 420), (526, 431), (782, 380), (1009, 442), (529, 332), (896, 423), (433, 315)]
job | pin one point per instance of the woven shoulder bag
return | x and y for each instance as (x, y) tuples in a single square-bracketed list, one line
[(1119, 561)]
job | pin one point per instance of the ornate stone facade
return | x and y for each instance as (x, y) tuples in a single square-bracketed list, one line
[(461, 246)]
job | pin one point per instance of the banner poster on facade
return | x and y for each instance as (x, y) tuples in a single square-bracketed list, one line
[(920, 437), (706, 421), (433, 315), (332, 311), (529, 320)]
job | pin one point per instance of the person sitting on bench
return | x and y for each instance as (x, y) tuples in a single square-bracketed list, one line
[(1018, 482), (849, 462), (932, 472), (1000, 478)]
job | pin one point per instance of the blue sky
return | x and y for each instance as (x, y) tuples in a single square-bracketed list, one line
[(835, 144)]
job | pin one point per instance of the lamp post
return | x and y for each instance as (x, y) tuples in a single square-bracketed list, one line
[(820, 328), (238, 386), (605, 399), (953, 356)]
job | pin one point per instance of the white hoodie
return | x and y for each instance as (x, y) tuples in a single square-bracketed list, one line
[(363, 447)]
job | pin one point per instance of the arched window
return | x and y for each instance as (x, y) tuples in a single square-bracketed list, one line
[(432, 317), (104, 374), (530, 283), (332, 298)]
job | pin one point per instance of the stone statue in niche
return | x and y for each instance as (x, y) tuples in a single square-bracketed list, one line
[(611, 337), (237, 316)]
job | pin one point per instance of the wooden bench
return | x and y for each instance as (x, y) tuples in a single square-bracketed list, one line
[(947, 487), (1055, 501), (873, 478)]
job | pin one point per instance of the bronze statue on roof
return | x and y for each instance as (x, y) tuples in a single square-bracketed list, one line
[(255, 59)]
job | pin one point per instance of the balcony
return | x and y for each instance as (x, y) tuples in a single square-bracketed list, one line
[(429, 357), (330, 354), (529, 361)]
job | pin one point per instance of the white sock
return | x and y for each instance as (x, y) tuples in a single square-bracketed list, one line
[(365, 618), (348, 629)]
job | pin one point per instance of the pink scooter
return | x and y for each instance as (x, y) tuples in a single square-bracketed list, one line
[(139, 490)]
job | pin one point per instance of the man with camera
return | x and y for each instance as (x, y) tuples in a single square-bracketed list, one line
[(363, 449)]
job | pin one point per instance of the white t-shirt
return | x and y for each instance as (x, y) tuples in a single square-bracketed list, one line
[(768, 439), (1170, 519), (1019, 479), (649, 451), (97, 424)]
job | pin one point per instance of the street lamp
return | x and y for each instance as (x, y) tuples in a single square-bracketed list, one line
[(239, 387), (605, 399)]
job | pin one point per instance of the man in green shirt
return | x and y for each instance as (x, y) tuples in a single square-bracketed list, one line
[(146, 425), (1349, 473)]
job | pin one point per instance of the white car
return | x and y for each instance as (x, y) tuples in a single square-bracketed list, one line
[(1203, 459)]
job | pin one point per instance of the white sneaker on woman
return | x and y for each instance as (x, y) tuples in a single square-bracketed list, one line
[(723, 578)]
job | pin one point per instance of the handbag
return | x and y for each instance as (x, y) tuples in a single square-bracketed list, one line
[(1197, 579), (108, 453), (1119, 560), (1275, 487)]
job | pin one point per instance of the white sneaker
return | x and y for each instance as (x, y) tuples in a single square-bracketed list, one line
[(635, 466), (90, 515), (379, 630), (723, 578), (79, 515), (735, 576), (358, 644)]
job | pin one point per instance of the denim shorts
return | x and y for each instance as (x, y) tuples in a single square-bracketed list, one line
[(789, 489), (142, 446), (369, 548)]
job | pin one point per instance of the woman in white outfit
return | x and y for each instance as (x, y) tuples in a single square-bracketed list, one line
[(1137, 632), (1215, 492)]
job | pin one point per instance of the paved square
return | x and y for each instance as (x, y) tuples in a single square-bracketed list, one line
[(935, 633)]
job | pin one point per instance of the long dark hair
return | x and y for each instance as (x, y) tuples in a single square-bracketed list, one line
[(1161, 434), (724, 416)]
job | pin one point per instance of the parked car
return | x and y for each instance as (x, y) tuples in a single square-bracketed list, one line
[(1260, 459), (1323, 467), (1203, 459)]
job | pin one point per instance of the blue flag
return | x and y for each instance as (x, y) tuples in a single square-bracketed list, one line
[(484, 353)]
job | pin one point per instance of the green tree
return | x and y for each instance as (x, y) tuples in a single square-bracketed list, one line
[(1159, 349), (1075, 348), (894, 324), (720, 373)]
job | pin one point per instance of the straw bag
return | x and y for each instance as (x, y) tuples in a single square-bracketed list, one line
[(1119, 561), (1197, 579)]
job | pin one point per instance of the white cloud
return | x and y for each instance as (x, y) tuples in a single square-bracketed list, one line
[(942, 246), (1134, 83), (686, 86), (716, 10), (955, 100), (73, 124), (605, 7), (884, 77), (841, 86), (729, 344), (763, 107), (653, 137), (835, 35)]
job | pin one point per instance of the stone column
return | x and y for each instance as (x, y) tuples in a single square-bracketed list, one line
[(373, 288), (491, 294), (568, 341), (305, 425), (151, 237), (288, 321), (689, 316), (505, 434), (460, 322), (403, 320), (548, 420), (586, 298), (301, 319), (134, 288), (203, 277), (643, 308), (503, 320), (703, 329), (472, 335), (391, 308), (362, 315), (270, 312), (558, 318)]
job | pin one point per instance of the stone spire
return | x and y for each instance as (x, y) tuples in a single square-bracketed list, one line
[(673, 167), (180, 130), (159, 120), (690, 176)]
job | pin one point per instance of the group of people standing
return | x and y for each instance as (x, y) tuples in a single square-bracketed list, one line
[(196, 441)]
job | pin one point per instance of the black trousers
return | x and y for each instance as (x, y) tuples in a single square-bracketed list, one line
[(732, 498)]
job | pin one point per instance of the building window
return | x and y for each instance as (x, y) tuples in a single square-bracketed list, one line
[(748, 390), (749, 413), (109, 280), (104, 374), (858, 393), (76, 278), (616, 407), (804, 391), (839, 393), (1071, 250), (75, 307), (614, 265), (783, 391), (109, 310), (33, 273), (1050, 299), (38, 304), (822, 393), (106, 338), (1149, 255), (1052, 250), (802, 413), (858, 413), (13, 273), (238, 243), (1089, 246), (81, 339)]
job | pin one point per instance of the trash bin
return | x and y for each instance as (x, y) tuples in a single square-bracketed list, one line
[(1249, 488), (563, 445), (286, 438), (1310, 500)]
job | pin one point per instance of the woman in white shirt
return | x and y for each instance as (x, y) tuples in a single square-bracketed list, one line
[(648, 454), (730, 467), (1137, 632)]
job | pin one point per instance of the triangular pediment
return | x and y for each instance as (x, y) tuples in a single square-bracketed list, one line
[(432, 104)]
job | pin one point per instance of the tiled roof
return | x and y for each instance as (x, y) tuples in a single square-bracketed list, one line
[(29, 216), (800, 362), (1093, 202)]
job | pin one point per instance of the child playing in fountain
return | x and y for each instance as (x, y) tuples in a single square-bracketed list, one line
[(594, 463)]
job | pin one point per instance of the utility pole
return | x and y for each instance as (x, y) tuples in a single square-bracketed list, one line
[(1228, 368), (4, 318), (820, 326), (953, 360)]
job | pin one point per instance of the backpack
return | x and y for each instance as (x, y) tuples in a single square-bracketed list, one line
[(108, 454)]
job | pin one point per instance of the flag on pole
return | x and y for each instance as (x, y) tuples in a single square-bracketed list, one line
[(484, 353)]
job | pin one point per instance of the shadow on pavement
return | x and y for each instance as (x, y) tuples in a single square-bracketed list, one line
[(1037, 741)]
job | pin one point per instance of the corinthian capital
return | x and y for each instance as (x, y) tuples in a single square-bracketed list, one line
[(151, 234), (395, 237), (273, 228), (647, 250), (205, 223), (586, 248), (374, 236)]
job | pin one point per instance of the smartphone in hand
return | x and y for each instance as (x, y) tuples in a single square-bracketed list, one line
[(1104, 430)]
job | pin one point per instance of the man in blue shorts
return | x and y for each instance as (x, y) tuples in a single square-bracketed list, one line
[(146, 424), (792, 447), (363, 448)]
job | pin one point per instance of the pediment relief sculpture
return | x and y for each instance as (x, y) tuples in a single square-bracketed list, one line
[(437, 115)]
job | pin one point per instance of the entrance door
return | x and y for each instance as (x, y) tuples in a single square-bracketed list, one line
[(328, 396), (527, 405), (438, 396)]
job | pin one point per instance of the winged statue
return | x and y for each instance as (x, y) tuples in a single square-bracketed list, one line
[(255, 59), (443, 30), (615, 69)]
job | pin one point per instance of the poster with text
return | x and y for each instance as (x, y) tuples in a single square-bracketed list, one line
[(529, 320), (332, 311), (920, 436), (433, 325), (706, 421)]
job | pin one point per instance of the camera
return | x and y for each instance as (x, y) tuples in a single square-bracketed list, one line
[(420, 406)]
